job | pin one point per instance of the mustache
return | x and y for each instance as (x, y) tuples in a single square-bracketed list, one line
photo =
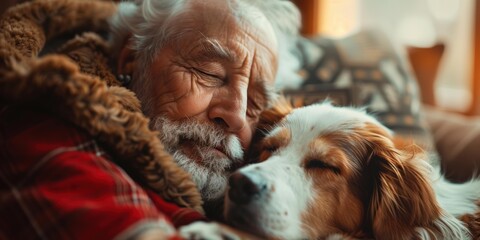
[(172, 133)]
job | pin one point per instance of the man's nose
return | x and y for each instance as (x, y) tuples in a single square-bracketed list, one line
[(230, 111)]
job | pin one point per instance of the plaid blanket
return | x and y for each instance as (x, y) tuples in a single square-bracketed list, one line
[(56, 182)]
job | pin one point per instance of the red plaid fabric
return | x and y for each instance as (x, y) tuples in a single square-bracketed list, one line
[(57, 183)]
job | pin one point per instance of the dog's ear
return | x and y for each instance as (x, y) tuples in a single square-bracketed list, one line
[(402, 199), (281, 107)]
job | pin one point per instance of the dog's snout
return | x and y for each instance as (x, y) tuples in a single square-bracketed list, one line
[(243, 188)]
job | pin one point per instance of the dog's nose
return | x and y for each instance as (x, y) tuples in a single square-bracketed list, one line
[(242, 188)]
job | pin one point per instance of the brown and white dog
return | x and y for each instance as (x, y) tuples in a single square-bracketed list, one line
[(330, 172)]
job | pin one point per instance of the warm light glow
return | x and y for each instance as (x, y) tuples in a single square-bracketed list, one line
[(446, 10), (418, 23), (417, 31), (339, 17), (456, 98), (454, 79)]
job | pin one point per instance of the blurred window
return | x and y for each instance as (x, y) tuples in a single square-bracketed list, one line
[(422, 24)]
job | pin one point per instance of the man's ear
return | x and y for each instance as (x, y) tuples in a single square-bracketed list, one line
[(126, 59)]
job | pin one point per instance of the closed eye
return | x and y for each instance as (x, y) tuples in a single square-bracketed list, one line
[(319, 164), (271, 149), (207, 79), (207, 74), (267, 151)]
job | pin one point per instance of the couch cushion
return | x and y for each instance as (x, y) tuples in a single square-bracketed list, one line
[(363, 70), (457, 139)]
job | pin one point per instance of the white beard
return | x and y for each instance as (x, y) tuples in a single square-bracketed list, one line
[(211, 174)]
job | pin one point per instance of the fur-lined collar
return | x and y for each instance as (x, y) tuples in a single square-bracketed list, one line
[(78, 85)]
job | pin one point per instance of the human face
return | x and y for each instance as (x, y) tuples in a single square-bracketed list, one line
[(214, 78)]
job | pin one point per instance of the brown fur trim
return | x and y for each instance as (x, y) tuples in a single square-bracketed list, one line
[(55, 83), (89, 51), (111, 115), (126, 98), (26, 27)]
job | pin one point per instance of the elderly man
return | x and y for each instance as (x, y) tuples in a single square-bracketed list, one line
[(202, 70), (203, 75)]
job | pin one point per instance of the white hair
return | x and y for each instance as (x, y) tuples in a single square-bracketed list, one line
[(148, 23)]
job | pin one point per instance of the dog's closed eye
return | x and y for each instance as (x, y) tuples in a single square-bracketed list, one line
[(316, 164), (271, 148), (272, 143), (267, 151)]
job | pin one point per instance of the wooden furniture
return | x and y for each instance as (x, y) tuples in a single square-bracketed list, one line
[(310, 10), (475, 83), (425, 63)]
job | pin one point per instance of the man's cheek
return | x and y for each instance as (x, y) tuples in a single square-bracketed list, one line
[(192, 105), (245, 136), (190, 97), (177, 95)]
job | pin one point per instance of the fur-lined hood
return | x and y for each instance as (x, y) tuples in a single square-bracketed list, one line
[(77, 84)]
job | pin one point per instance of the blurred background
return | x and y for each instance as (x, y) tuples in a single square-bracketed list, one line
[(441, 38)]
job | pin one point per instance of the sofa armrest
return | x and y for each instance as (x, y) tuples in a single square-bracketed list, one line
[(457, 139)]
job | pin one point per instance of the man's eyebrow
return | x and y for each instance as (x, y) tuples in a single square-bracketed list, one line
[(212, 49)]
